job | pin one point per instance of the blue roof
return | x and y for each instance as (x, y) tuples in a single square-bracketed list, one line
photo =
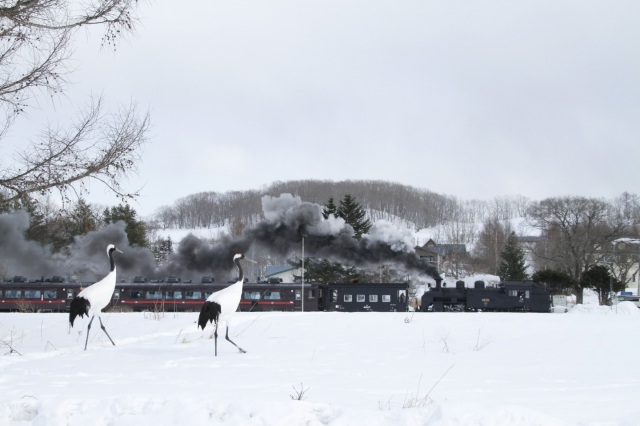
[(278, 269)]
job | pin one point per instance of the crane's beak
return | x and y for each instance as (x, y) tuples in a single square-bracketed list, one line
[(118, 250), (249, 260)]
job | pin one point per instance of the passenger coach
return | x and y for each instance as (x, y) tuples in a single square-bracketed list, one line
[(362, 297)]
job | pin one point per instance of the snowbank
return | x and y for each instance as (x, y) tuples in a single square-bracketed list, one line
[(622, 308)]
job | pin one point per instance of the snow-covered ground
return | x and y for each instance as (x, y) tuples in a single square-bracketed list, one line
[(488, 369)]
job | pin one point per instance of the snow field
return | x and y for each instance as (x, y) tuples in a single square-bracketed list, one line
[(348, 369)]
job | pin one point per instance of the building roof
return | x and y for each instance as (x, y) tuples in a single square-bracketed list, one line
[(442, 249), (278, 269)]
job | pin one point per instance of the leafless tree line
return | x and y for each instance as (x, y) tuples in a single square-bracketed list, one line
[(413, 207)]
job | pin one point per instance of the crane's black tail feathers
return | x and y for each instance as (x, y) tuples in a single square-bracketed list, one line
[(79, 306), (210, 312)]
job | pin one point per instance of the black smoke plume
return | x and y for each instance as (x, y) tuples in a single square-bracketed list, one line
[(287, 221)]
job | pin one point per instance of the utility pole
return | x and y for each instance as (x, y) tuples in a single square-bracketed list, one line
[(302, 284)]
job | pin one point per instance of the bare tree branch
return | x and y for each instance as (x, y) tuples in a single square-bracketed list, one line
[(35, 49), (97, 147)]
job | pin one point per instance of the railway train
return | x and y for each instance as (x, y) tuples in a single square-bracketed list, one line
[(507, 296), (172, 294)]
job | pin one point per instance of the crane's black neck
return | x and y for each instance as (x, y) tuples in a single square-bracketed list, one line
[(241, 274), (113, 262)]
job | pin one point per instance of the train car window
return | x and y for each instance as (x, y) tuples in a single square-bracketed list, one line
[(272, 295), (176, 295), (154, 295), (334, 295), (348, 298), (360, 298), (386, 298), (116, 294), (69, 294), (298, 295), (193, 295), (136, 295), (513, 293), (13, 294), (50, 294), (527, 294), (311, 294), (252, 295), (32, 294), (373, 298)]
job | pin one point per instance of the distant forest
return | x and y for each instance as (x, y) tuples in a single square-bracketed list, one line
[(412, 207)]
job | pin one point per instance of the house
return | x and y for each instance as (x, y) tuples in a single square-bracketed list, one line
[(438, 254)]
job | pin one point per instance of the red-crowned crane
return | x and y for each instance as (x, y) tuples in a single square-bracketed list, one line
[(94, 298), (223, 303)]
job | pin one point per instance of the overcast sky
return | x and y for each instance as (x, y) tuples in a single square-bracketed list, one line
[(474, 99)]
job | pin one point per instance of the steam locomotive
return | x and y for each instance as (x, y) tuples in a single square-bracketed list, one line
[(507, 296)]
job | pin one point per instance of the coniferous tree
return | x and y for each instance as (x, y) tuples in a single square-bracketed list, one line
[(330, 208), (513, 267), (557, 282), (83, 218), (135, 229), (162, 249), (599, 279), (353, 214), (325, 271), (48, 225)]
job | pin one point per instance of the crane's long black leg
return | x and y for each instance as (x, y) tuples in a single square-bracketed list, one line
[(215, 337), (227, 337), (105, 331), (88, 328)]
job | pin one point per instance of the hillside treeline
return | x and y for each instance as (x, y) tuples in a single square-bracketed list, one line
[(415, 208)]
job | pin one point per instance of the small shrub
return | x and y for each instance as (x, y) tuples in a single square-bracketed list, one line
[(299, 393)]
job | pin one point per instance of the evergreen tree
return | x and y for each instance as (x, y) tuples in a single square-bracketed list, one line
[(353, 214), (135, 229), (330, 208), (557, 282), (83, 219), (513, 267), (48, 225), (38, 229), (599, 279), (162, 249), (324, 271)]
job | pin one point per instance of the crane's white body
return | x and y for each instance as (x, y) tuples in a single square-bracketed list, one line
[(93, 299), (220, 305), (228, 298), (99, 294)]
